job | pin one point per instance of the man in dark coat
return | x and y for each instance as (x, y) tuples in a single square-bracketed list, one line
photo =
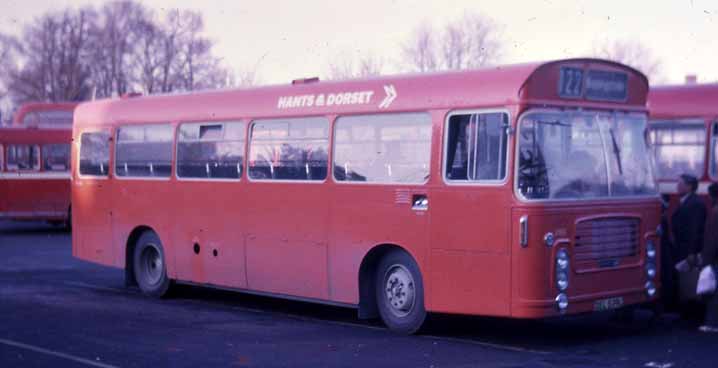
[(688, 222), (709, 256)]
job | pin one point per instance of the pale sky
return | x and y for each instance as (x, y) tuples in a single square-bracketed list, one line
[(293, 39)]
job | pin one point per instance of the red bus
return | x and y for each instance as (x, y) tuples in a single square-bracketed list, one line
[(35, 174), (684, 135), (521, 191)]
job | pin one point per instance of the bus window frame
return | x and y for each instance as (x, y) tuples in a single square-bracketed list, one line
[(115, 138), (374, 113), (248, 148), (19, 170), (245, 150), (110, 157), (712, 167), (612, 112), (682, 121), (45, 168), (445, 148)]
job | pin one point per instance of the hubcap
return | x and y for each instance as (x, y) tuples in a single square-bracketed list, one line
[(399, 290), (151, 263)]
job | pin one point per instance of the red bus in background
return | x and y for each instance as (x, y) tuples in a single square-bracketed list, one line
[(684, 136), (45, 115), (35, 164), (520, 191)]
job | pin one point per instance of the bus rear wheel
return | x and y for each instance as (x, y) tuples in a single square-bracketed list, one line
[(149, 265), (400, 293)]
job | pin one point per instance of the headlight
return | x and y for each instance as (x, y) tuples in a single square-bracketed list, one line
[(650, 249), (651, 270), (562, 280), (549, 239), (650, 289), (561, 302), (562, 259)]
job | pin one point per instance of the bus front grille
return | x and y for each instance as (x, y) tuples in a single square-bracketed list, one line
[(606, 240)]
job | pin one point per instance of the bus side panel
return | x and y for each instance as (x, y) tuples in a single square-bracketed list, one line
[(210, 216), (470, 259), (286, 237), (142, 202), (92, 235), (364, 216)]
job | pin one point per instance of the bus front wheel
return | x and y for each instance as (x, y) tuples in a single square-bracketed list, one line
[(400, 292), (150, 266)]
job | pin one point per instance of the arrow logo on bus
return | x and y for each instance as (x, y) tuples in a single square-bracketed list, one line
[(390, 96)]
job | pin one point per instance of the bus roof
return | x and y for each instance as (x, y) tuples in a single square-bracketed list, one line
[(531, 83), (32, 107), (684, 101)]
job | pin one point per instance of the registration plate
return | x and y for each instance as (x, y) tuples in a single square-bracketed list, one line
[(608, 304)]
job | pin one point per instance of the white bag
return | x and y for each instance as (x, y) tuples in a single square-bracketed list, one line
[(706, 281)]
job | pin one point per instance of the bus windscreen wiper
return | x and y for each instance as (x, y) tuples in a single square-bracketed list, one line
[(616, 151)]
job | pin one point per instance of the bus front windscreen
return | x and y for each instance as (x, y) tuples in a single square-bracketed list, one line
[(583, 155)]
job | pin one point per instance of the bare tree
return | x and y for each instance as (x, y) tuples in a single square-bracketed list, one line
[(52, 58), (121, 47), (344, 66), (244, 77), (632, 53), (116, 33), (470, 42), (8, 47), (419, 53), (199, 68)]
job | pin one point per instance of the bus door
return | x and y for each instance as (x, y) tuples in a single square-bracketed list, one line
[(470, 216), (285, 214), (91, 197), (381, 167)]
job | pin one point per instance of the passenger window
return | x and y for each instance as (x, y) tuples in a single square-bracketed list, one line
[(144, 151), (289, 149), (56, 157), (210, 150), (95, 153), (476, 147), (386, 148), (23, 157), (2, 158), (678, 147)]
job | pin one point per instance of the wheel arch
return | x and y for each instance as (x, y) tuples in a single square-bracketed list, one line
[(130, 250), (367, 277)]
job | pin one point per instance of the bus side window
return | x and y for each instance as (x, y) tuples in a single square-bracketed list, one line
[(2, 158), (210, 150), (23, 157), (476, 147), (94, 154), (289, 149), (383, 148), (144, 151), (56, 157)]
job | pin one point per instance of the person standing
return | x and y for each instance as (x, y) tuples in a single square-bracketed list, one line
[(688, 222), (709, 256), (687, 231)]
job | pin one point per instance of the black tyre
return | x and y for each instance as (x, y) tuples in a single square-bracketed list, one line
[(149, 265), (400, 292)]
